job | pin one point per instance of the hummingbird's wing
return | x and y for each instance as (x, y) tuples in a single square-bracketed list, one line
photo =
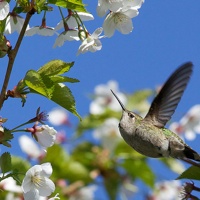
[(165, 103)]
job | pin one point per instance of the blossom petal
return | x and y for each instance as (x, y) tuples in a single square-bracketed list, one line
[(32, 195), (26, 184), (47, 137), (47, 188), (190, 135), (109, 25), (97, 32), (4, 9), (102, 8), (29, 147), (131, 12), (47, 169), (58, 117), (66, 36), (124, 24)]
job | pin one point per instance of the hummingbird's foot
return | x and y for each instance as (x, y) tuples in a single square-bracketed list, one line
[(191, 162)]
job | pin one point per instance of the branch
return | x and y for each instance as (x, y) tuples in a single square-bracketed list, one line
[(12, 55)]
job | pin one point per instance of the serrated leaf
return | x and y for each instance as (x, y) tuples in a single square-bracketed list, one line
[(191, 173), (5, 162), (70, 4), (39, 84), (62, 79), (63, 97), (6, 137), (55, 67), (57, 92)]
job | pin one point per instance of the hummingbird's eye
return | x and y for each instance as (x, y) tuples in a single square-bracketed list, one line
[(131, 115)]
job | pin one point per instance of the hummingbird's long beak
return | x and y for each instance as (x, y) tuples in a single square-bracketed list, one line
[(121, 104)]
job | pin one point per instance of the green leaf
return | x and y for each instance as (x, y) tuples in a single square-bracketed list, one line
[(2, 26), (20, 167), (39, 84), (63, 97), (174, 164), (55, 67), (5, 162), (191, 173), (70, 4), (64, 166), (83, 153), (93, 121), (112, 182), (75, 171), (139, 169), (138, 100), (62, 79), (45, 82), (6, 137)]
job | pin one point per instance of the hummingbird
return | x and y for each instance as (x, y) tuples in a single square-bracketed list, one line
[(148, 135)]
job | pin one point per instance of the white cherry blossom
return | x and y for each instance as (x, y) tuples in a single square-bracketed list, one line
[(107, 132), (37, 183), (91, 42), (58, 117), (105, 5), (4, 9), (71, 21), (44, 31), (29, 147), (104, 98), (9, 184), (14, 23), (69, 35), (166, 190), (84, 193), (45, 135), (121, 21)]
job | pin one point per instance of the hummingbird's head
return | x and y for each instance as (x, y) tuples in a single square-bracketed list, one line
[(128, 118)]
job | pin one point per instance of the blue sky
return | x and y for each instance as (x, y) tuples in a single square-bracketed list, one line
[(166, 34)]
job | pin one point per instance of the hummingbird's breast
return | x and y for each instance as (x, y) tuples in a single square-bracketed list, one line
[(146, 139)]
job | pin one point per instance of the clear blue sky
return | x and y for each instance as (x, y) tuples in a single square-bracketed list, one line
[(166, 34)]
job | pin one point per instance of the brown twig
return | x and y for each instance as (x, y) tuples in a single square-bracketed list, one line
[(12, 55)]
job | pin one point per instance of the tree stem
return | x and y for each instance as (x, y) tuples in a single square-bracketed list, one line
[(12, 55)]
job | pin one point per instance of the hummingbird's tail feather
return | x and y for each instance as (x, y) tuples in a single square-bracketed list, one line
[(191, 154)]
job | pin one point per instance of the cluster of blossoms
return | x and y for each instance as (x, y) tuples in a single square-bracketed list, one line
[(119, 16), (36, 183), (103, 100), (189, 123), (166, 190)]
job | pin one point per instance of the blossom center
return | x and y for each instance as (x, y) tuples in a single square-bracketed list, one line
[(37, 180)]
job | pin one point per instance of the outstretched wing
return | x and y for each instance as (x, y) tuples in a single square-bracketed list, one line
[(165, 103)]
